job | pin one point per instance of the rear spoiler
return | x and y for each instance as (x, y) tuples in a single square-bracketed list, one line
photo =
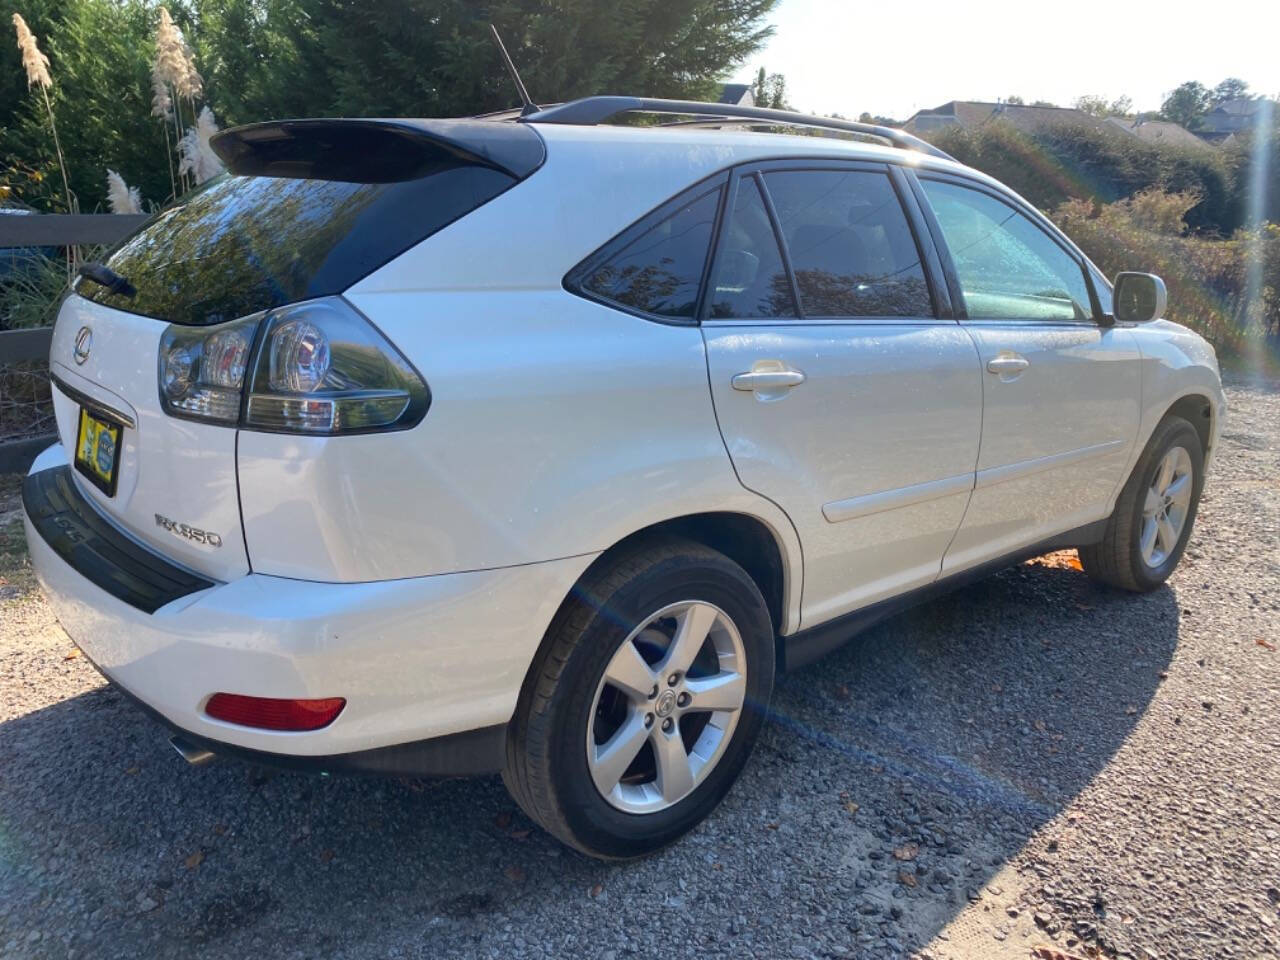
[(375, 151)]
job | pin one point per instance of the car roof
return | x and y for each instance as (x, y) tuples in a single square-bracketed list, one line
[(744, 146)]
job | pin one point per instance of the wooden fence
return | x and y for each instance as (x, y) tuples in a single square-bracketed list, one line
[(18, 346)]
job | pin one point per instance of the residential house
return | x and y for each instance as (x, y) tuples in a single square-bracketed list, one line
[(1229, 118), (738, 94)]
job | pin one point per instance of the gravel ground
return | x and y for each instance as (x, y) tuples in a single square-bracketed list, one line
[(1032, 761)]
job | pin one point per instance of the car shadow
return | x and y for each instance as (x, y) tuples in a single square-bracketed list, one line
[(898, 775)]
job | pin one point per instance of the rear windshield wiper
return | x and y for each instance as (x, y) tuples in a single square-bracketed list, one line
[(104, 276)]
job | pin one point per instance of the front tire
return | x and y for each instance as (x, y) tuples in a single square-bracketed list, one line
[(644, 701), (1151, 524)]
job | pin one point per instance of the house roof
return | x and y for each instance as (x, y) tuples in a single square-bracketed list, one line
[(1158, 131), (1028, 119), (737, 93), (1240, 106), (972, 113), (1230, 116)]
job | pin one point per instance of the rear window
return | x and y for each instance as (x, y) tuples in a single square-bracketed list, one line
[(241, 244)]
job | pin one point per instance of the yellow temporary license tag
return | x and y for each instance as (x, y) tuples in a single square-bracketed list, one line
[(98, 451)]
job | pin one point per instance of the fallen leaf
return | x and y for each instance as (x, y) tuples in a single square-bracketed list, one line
[(596, 890), (502, 820), (851, 807), (772, 826), (132, 771), (1074, 562), (1042, 952), (1039, 725), (842, 691), (907, 851), (75, 652), (519, 834), (1130, 710), (326, 855), (514, 874), (1263, 643), (907, 879), (194, 860)]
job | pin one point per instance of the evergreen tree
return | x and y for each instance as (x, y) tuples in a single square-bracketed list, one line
[(268, 59)]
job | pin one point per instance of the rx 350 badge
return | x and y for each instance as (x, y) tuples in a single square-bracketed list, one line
[(189, 533)]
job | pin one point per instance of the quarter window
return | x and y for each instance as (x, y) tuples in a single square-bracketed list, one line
[(661, 270), (850, 246), (1008, 268)]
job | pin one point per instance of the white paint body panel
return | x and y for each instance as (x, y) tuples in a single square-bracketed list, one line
[(415, 658), (183, 470), (874, 514), (1055, 438)]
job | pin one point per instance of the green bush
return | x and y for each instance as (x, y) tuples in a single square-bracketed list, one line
[(1208, 277), (1066, 161)]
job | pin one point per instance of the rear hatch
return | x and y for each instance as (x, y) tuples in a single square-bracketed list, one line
[(305, 210)]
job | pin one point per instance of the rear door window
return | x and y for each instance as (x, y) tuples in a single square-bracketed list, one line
[(658, 272), (750, 279), (850, 246)]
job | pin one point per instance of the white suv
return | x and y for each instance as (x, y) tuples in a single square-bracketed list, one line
[(539, 445)]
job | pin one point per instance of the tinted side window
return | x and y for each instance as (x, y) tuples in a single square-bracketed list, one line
[(750, 280), (850, 245), (660, 271), (1009, 269)]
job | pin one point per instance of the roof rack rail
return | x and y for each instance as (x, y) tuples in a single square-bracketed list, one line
[(590, 111)]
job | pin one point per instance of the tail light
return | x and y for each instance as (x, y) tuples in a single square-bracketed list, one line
[(317, 367), (270, 713)]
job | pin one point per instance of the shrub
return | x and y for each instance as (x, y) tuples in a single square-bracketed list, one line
[(1208, 278), (1069, 160)]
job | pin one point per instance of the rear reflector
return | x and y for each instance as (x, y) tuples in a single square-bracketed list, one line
[(268, 713)]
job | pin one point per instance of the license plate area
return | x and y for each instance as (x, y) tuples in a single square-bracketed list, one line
[(98, 449)]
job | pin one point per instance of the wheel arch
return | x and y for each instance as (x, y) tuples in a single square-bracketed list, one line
[(1196, 409), (748, 541)]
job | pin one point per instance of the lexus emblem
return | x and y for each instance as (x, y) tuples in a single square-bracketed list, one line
[(84, 343)]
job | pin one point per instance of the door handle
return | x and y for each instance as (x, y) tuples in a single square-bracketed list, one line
[(767, 380), (1006, 364)]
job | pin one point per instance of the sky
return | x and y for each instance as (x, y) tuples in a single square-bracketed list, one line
[(891, 59)]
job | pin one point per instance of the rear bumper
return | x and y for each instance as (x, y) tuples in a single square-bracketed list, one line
[(416, 659)]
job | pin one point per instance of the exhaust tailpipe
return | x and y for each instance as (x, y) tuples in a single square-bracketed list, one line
[(196, 756)]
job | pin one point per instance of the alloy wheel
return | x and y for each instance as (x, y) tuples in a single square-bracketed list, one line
[(1165, 508), (666, 707)]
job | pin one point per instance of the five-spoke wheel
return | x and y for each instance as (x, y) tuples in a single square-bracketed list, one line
[(645, 699), (666, 707), (1165, 508), (1148, 530)]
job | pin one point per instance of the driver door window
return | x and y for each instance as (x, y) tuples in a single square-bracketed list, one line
[(1008, 268)]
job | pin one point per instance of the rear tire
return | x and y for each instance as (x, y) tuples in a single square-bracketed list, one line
[(644, 700), (1151, 524)]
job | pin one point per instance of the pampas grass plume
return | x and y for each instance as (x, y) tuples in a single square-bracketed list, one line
[(33, 61), (121, 197), (198, 157)]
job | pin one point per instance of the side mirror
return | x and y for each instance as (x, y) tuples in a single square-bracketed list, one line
[(1138, 297)]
